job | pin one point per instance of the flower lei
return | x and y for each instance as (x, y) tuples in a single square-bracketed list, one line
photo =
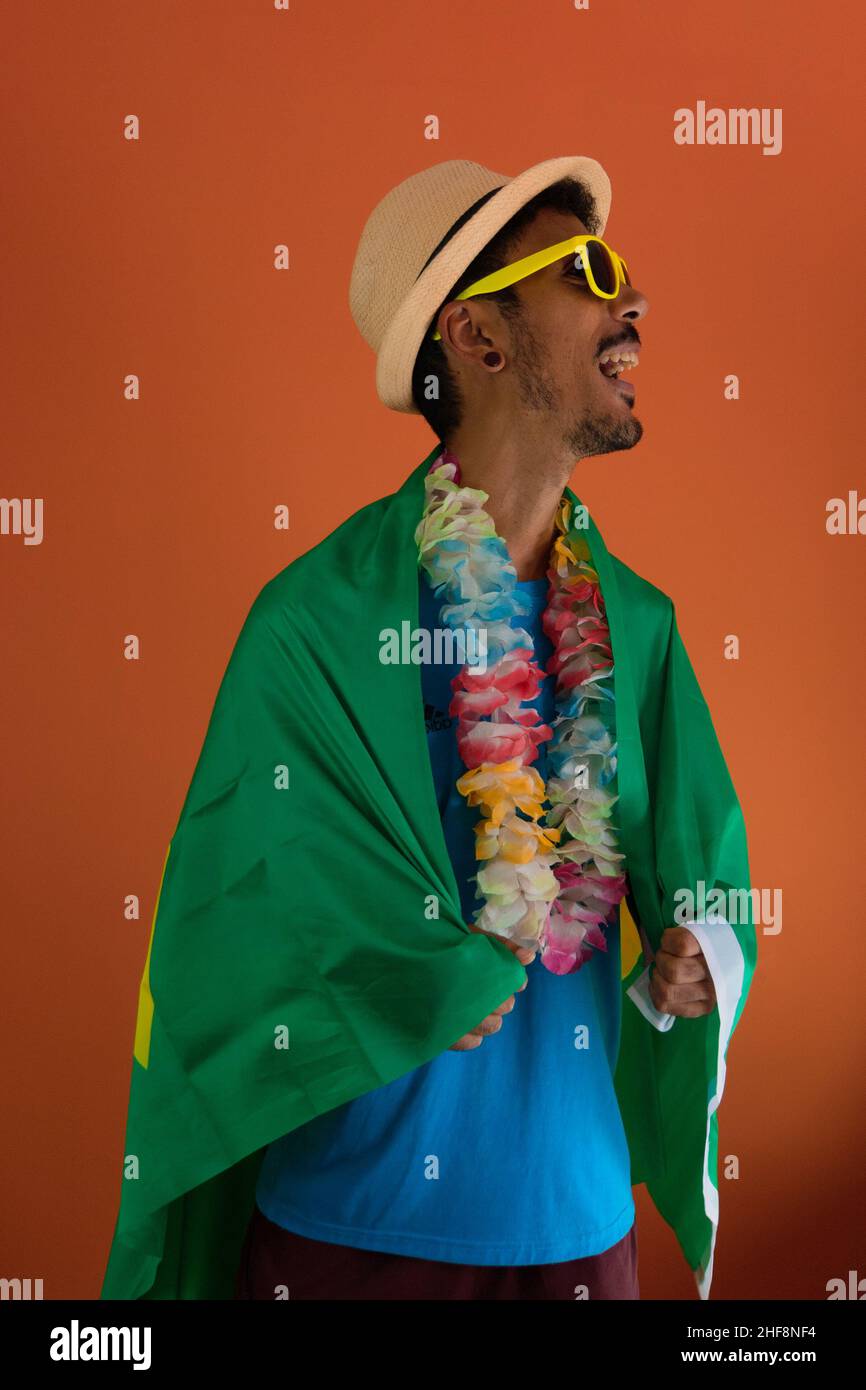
[(551, 878)]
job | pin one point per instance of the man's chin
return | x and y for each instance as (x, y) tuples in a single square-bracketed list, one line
[(598, 434)]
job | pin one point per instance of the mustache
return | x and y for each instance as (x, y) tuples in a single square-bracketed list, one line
[(630, 340)]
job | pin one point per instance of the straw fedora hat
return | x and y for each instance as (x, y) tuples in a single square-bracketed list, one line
[(409, 256)]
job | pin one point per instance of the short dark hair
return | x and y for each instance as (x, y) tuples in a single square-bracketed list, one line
[(444, 414)]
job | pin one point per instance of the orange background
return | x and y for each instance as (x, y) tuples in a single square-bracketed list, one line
[(155, 257)]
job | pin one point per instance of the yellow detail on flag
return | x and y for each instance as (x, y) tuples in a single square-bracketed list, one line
[(629, 940), (144, 1018)]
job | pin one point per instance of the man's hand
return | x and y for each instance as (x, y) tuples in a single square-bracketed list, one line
[(680, 982), (493, 1022)]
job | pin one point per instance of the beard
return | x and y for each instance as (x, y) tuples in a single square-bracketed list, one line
[(596, 433), (584, 432)]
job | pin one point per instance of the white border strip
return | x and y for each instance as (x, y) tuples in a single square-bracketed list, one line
[(724, 958), (639, 992)]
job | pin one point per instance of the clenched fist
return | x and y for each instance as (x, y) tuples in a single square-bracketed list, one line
[(493, 1022), (680, 982)]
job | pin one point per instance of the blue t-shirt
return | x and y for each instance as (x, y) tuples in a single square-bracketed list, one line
[(511, 1154)]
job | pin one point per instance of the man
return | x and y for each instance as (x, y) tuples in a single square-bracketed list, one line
[(384, 1098)]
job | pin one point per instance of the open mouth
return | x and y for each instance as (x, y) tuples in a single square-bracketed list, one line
[(613, 364)]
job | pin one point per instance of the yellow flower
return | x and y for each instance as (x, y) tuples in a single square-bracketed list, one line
[(501, 788), (515, 840), (562, 549)]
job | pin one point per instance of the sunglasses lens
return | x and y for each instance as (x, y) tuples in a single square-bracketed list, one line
[(602, 267)]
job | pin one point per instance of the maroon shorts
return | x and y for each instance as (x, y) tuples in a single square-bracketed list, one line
[(276, 1263)]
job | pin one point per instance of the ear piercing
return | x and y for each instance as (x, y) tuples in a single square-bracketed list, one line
[(492, 358)]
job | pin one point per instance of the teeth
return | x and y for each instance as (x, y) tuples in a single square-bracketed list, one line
[(621, 361)]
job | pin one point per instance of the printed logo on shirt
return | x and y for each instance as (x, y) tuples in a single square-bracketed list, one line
[(436, 719)]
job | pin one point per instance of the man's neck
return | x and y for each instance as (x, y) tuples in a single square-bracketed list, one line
[(523, 494)]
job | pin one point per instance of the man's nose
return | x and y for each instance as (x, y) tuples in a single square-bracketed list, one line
[(629, 304)]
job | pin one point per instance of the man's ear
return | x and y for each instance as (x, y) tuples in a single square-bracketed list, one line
[(453, 317), (464, 324)]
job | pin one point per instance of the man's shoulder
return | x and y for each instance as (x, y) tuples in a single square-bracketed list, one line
[(307, 583), (645, 623), (640, 594)]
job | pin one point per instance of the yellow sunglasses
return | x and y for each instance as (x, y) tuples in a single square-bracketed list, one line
[(605, 271)]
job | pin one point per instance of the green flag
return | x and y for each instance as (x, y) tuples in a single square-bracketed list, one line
[(308, 944)]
